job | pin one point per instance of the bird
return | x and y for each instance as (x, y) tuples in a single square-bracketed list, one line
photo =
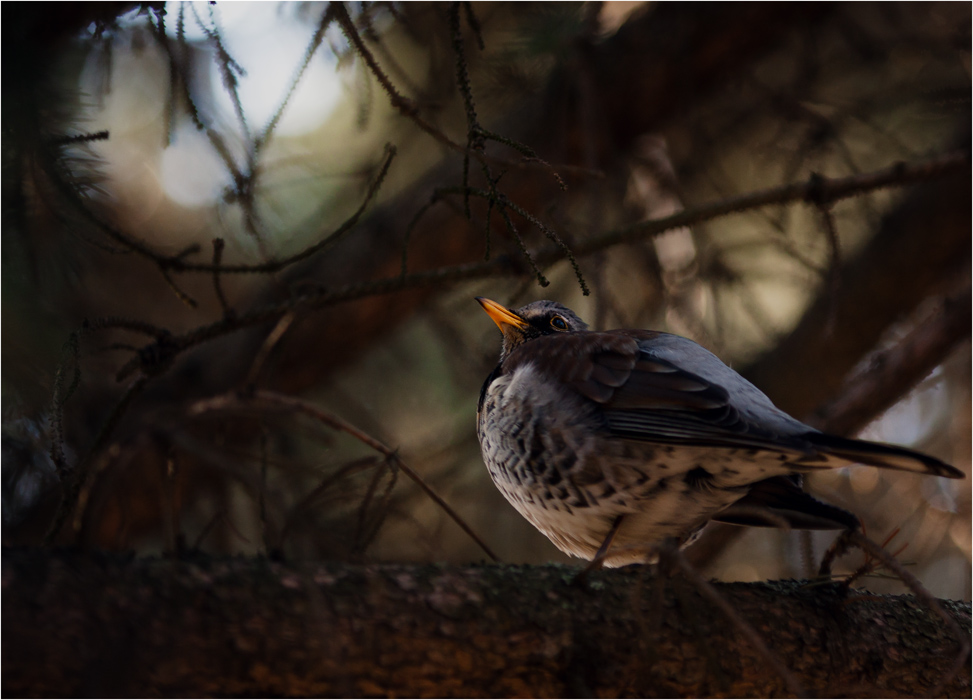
[(612, 443)]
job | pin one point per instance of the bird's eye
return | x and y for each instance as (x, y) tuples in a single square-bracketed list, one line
[(559, 323)]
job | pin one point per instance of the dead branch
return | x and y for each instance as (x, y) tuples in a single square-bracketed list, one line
[(836, 189), (291, 403)]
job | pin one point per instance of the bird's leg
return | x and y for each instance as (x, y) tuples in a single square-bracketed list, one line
[(599, 559)]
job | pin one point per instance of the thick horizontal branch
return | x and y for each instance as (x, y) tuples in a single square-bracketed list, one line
[(816, 190), (254, 627)]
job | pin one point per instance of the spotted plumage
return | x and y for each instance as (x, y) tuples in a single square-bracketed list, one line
[(648, 436)]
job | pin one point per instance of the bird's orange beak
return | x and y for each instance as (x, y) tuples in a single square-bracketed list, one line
[(501, 315)]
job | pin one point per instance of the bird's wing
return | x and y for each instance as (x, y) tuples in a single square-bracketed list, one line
[(704, 404), (643, 396), (657, 387)]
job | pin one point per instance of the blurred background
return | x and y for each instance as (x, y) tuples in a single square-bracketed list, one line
[(135, 135)]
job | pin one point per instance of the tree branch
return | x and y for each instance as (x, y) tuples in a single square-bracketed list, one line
[(920, 244), (893, 372), (255, 627)]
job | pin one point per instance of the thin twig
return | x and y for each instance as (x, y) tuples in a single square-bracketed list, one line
[(541, 279), (476, 137), (825, 190), (181, 295), (409, 109), (69, 497), (207, 528), (60, 141), (327, 242), (273, 338), (218, 246), (404, 105), (127, 324), (361, 539), (433, 200), (474, 24), (323, 24), (294, 404), (475, 142), (229, 68), (325, 484), (843, 187), (834, 268)]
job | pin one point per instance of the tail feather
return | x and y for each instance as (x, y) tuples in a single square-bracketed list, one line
[(780, 499), (879, 454)]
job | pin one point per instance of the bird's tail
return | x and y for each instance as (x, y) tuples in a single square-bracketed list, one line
[(878, 454)]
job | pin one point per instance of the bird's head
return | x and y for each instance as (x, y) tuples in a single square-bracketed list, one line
[(531, 321)]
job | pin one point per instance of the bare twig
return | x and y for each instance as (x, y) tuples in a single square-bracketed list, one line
[(305, 503), (218, 246), (404, 105), (267, 347), (229, 68), (824, 190), (433, 200), (177, 263), (80, 138), (69, 496), (476, 138), (207, 528), (327, 242), (181, 295), (127, 324), (474, 24), (833, 189), (323, 24), (834, 268), (362, 536), (291, 403)]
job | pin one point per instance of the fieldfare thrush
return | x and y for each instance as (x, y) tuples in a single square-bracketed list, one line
[(611, 442)]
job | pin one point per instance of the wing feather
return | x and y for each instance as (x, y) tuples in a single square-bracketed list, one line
[(634, 381)]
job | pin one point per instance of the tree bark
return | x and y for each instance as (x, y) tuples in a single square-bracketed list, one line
[(87, 625)]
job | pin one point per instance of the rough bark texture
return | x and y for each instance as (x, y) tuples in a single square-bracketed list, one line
[(83, 625)]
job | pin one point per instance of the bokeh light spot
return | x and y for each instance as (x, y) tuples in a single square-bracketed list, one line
[(192, 173)]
